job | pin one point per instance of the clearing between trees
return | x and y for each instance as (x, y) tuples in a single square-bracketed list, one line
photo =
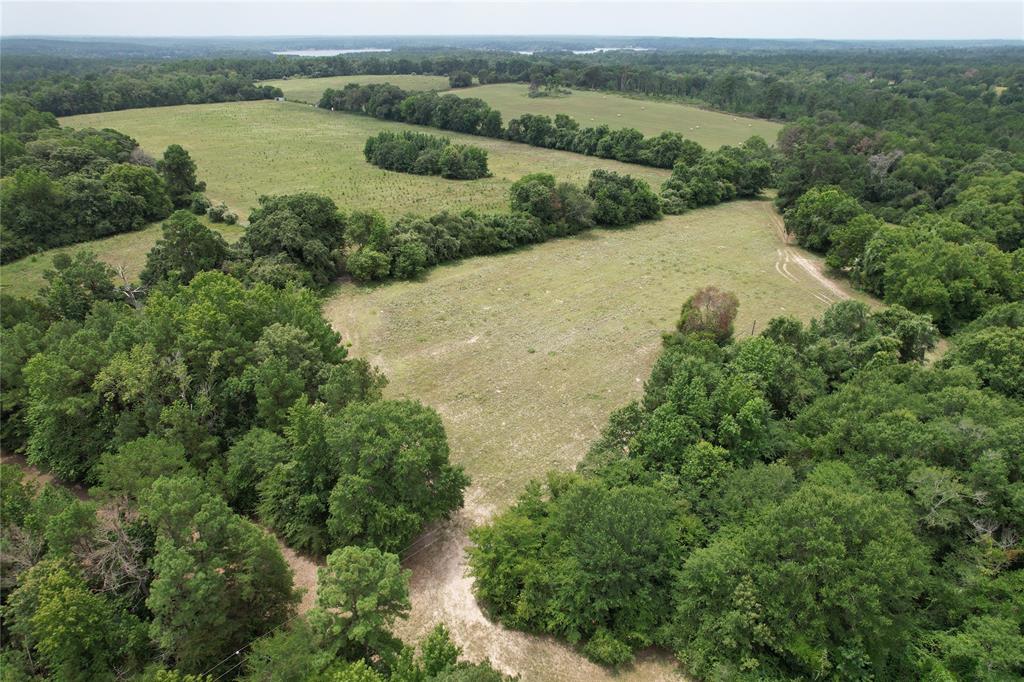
[(525, 354)]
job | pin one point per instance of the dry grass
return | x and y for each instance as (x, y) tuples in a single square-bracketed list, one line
[(525, 354), (710, 128)]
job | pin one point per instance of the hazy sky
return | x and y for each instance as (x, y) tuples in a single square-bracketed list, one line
[(866, 19)]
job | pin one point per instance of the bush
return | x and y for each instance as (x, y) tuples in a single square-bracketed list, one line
[(422, 154), (199, 204), (217, 213)]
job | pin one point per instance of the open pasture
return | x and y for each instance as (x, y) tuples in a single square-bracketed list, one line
[(525, 354), (246, 149), (309, 90), (710, 128)]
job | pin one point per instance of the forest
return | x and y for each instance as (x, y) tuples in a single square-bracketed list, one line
[(837, 498)]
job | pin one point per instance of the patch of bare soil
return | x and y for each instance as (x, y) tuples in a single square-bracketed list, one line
[(823, 287)]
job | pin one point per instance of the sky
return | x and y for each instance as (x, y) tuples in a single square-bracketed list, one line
[(824, 19)]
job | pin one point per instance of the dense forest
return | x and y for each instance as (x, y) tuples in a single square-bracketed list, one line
[(62, 186), (817, 501), (806, 503)]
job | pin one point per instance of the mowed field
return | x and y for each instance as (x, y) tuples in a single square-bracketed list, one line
[(311, 89), (525, 354), (710, 128), (246, 149), (127, 251)]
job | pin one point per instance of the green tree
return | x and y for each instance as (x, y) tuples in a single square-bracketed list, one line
[(186, 248), (818, 214), (179, 172), (219, 581), (78, 635), (824, 583), (360, 593), (76, 283), (393, 474)]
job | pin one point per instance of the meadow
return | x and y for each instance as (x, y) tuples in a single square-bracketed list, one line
[(309, 90), (247, 149), (524, 354), (710, 128)]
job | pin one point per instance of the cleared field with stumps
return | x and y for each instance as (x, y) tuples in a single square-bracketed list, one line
[(310, 89), (245, 149)]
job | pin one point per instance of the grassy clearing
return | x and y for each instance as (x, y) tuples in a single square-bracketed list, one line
[(525, 354), (127, 250), (310, 89), (710, 128), (245, 149)]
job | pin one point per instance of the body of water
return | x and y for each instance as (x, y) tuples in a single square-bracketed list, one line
[(332, 53)]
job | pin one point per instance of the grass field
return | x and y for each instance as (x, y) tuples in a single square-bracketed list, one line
[(127, 250), (245, 149), (311, 89), (710, 128), (525, 354)]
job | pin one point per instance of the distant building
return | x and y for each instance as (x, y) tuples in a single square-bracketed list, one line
[(279, 99)]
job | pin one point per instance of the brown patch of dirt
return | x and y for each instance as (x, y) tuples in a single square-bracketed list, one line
[(815, 269)]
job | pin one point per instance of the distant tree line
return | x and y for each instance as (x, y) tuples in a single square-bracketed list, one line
[(803, 503), (61, 186), (963, 99), (422, 154)]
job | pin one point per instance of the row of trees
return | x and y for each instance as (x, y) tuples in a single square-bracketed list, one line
[(473, 116), (305, 240), (963, 100), (62, 186), (422, 154), (799, 504)]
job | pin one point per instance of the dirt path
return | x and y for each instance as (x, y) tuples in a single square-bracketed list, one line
[(819, 284), (442, 592)]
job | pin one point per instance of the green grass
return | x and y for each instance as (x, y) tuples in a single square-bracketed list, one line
[(710, 128), (127, 250), (311, 89), (525, 354), (245, 149)]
